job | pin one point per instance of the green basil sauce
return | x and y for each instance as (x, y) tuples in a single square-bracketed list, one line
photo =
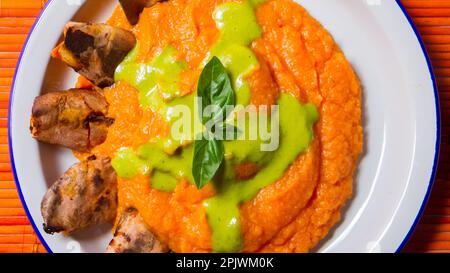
[(296, 133), (168, 160), (158, 86)]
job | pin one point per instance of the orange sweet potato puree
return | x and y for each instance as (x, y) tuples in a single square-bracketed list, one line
[(298, 56)]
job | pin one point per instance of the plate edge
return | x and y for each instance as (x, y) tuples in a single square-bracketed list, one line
[(438, 127), (10, 146)]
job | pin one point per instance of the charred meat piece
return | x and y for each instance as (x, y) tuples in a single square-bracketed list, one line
[(84, 196), (75, 118), (95, 50), (133, 8), (133, 236)]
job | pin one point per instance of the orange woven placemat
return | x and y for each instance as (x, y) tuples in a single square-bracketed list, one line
[(433, 21)]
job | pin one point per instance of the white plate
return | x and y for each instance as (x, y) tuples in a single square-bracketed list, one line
[(401, 121)]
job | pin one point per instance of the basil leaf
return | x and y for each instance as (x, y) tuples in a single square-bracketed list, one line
[(208, 155), (214, 88)]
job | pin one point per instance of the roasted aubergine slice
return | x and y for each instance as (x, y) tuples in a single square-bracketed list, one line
[(132, 235), (84, 196), (76, 119), (95, 50), (133, 8)]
